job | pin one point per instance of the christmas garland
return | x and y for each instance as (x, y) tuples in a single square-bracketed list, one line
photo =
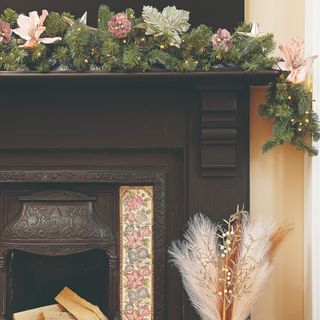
[(163, 40)]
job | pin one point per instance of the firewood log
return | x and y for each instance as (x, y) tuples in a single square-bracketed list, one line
[(56, 315), (36, 314), (78, 307)]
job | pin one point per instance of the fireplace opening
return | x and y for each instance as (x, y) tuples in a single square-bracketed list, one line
[(99, 247), (36, 279)]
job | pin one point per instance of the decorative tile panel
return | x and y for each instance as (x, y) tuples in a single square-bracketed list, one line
[(136, 253)]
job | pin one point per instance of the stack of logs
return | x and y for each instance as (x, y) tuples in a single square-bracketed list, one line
[(70, 307)]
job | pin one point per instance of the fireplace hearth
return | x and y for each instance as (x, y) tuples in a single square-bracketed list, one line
[(70, 152)]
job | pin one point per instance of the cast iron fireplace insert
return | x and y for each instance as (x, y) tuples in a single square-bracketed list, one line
[(57, 240)]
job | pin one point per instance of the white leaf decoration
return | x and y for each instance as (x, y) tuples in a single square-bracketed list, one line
[(171, 22)]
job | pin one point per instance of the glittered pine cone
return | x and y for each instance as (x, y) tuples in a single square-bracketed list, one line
[(222, 40), (119, 25), (5, 32)]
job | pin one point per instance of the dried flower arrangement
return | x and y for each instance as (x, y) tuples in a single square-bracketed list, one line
[(224, 268)]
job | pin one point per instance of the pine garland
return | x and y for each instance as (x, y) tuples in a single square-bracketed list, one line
[(142, 47), (290, 105)]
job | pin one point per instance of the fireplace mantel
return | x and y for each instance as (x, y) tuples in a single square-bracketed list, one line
[(253, 78), (184, 134)]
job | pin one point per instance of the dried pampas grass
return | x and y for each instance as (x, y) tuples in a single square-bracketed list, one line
[(225, 268)]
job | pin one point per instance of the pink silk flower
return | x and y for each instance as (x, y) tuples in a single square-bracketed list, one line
[(292, 54)]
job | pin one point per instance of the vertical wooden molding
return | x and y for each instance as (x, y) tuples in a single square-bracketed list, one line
[(4, 286), (218, 131)]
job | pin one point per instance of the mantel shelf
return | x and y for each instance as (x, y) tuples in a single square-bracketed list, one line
[(253, 78)]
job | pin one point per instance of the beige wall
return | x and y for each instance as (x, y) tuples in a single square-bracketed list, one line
[(277, 195), (277, 177), (284, 18)]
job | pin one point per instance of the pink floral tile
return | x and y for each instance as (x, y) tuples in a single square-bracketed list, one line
[(136, 253)]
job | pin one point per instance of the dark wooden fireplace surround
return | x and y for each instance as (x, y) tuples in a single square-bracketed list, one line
[(70, 140)]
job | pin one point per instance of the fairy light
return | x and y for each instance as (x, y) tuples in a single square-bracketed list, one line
[(162, 46), (309, 85), (307, 120), (292, 120), (1, 58), (124, 41), (86, 61), (79, 29), (289, 97), (299, 129)]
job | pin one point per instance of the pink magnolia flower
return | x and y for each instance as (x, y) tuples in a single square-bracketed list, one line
[(222, 40), (135, 279), (145, 271), (135, 240), (5, 32), (292, 54), (134, 202), (145, 311), (119, 25), (134, 315), (31, 28)]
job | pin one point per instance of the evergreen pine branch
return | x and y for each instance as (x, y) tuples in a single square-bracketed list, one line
[(131, 58), (160, 57), (290, 106), (104, 15), (56, 24), (10, 16)]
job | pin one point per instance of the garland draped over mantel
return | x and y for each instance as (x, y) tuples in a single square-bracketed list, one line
[(164, 40)]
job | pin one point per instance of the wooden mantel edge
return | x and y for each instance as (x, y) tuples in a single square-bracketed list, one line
[(258, 77)]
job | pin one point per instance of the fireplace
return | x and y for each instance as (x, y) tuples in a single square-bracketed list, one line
[(37, 279), (56, 225), (71, 155)]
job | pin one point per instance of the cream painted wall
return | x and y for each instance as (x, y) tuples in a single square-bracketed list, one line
[(277, 177), (277, 195), (284, 18)]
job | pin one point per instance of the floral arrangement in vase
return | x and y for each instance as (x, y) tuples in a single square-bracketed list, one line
[(224, 268)]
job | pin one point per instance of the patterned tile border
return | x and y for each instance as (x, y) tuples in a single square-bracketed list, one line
[(136, 253)]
